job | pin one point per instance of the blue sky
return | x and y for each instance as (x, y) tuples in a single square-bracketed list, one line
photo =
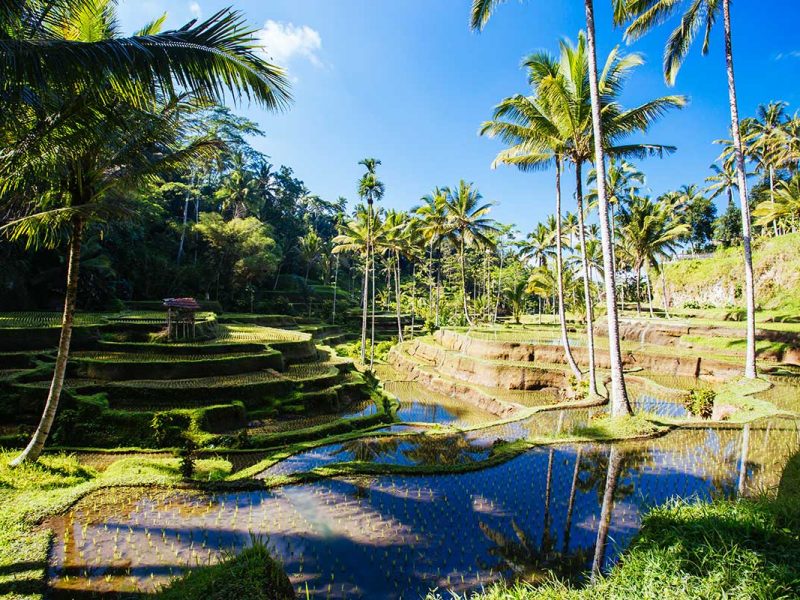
[(406, 81)]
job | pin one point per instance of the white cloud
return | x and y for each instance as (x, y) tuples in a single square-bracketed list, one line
[(792, 54), (196, 11), (284, 41)]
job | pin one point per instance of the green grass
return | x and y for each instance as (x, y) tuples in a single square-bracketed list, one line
[(31, 492), (250, 575)]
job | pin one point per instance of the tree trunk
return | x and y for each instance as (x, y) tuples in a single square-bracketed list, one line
[(750, 298), (664, 288), (335, 289), (649, 291), (612, 477), (499, 287), (34, 448), (430, 279), (772, 197), (562, 319), (413, 297), (438, 286), (372, 334), (586, 288), (365, 297), (397, 295), (638, 290), (618, 393), (464, 278)]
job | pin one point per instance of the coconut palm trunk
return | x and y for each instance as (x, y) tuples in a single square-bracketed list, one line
[(463, 263), (664, 289), (586, 280), (649, 292), (750, 298), (560, 278), (335, 288), (396, 270), (365, 308), (618, 394), (34, 448), (372, 324)]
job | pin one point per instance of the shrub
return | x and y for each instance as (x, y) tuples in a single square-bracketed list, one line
[(188, 456), (169, 427), (700, 402)]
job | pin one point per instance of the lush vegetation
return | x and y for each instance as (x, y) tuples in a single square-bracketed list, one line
[(125, 179)]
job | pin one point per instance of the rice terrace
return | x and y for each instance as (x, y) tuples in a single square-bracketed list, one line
[(547, 346)]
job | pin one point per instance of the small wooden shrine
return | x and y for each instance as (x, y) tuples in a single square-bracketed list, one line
[(181, 317)]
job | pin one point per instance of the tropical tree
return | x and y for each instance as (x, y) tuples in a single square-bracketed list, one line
[(393, 242), (644, 15), (516, 296), (111, 107), (371, 189), (527, 126), (355, 237), (435, 227), (310, 249), (537, 246), (468, 224), (651, 233), (783, 209), (564, 84)]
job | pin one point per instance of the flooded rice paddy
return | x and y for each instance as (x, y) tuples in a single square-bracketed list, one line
[(385, 537)]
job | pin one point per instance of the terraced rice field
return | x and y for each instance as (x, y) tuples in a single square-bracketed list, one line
[(349, 539)]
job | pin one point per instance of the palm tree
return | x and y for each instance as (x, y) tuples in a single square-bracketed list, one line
[(516, 295), (644, 15), (355, 237), (538, 246), (650, 232), (723, 180), (565, 86), (238, 189), (435, 228), (783, 208), (114, 121), (481, 12), (371, 189), (393, 242), (310, 246), (468, 224), (535, 142), (623, 180), (764, 138)]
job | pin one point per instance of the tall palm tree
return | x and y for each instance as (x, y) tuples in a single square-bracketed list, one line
[(393, 242), (535, 142), (480, 15), (644, 15), (565, 87), (355, 237), (466, 213), (722, 181), (538, 246), (114, 120), (764, 138), (435, 228), (371, 189), (623, 180)]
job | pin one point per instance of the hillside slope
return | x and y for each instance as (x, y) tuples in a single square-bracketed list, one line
[(719, 280)]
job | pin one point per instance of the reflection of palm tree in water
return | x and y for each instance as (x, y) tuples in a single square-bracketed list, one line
[(613, 469), (442, 450), (367, 450)]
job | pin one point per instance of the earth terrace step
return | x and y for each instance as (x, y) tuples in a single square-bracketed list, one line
[(684, 365), (486, 372), (431, 378), (122, 366)]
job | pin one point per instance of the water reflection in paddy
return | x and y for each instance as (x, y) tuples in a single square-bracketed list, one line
[(392, 536), (421, 405)]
